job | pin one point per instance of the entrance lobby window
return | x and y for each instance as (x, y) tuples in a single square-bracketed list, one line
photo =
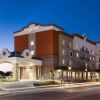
[(32, 43), (32, 52)]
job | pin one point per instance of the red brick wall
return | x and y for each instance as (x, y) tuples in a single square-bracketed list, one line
[(46, 43), (21, 42)]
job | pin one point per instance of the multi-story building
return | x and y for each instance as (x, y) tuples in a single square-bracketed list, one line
[(60, 55), (60, 51), (85, 56), (97, 56), (42, 41)]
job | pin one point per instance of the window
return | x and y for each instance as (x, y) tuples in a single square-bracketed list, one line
[(71, 54), (78, 63), (63, 51), (70, 44), (83, 56), (86, 64), (83, 64), (93, 58), (93, 51), (90, 58), (87, 50), (90, 64), (77, 54), (64, 73), (32, 52), (83, 48), (77, 46), (63, 42), (63, 61), (32, 43), (70, 62)]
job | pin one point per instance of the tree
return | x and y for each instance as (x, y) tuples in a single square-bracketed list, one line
[(2, 73), (8, 73)]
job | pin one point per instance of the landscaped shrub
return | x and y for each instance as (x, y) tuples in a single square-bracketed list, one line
[(45, 83)]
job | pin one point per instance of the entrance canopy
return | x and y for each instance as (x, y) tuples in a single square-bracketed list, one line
[(26, 64), (6, 67)]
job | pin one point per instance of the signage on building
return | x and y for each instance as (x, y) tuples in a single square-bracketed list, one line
[(32, 29)]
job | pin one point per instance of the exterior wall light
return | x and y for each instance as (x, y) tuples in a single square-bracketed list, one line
[(69, 68), (86, 69), (59, 70)]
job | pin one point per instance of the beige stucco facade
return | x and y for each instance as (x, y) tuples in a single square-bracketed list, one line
[(23, 68)]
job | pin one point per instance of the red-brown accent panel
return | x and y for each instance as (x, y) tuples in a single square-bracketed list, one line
[(46, 43), (21, 42), (56, 43)]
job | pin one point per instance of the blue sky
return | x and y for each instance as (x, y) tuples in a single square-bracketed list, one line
[(73, 15)]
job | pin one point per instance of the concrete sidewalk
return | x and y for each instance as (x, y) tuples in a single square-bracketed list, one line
[(29, 84), (72, 85), (17, 84), (42, 88)]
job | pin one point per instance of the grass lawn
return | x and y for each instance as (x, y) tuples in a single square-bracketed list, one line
[(6, 80)]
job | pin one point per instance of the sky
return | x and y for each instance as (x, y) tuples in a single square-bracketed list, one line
[(75, 16)]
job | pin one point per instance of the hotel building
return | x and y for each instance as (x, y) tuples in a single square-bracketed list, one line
[(85, 57), (46, 51), (58, 50), (97, 55)]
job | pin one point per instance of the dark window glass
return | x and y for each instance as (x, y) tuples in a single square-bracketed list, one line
[(71, 54)]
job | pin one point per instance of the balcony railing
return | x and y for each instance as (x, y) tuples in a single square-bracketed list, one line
[(83, 50), (84, 58)]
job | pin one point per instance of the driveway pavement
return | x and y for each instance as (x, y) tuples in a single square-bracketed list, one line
[(77, 93)]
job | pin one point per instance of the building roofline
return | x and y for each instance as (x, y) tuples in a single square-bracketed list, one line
[(65, 33), (97, 42), (91, 41), (62, 32), (37, 25), (81, 37), (76, 34)]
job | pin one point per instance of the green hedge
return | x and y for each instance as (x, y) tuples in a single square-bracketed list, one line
[(45, 83)]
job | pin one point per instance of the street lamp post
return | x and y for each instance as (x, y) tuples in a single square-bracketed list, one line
[(69, 68)]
